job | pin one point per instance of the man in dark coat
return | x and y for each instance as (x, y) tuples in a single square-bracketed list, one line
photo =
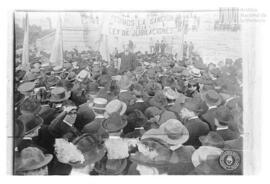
[(128, 62)]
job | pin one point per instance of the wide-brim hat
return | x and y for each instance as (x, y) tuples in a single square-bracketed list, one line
[(111, 167), (211, 97), (29, 166), (115, 106), (164, 133), (31, 122), (91, 149), (162, 159), (59, 94)]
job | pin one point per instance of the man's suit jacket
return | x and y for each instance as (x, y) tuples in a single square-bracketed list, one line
[(209, 118), (128, 62), (184, 164), (84, 115), (228, 134)]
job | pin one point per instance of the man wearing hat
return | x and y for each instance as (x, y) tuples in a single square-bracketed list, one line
[(184, 165), (92, 150), (212, 100), (125, 94), (117, 148), (222, 121), (128, 62), (63, 125), (85, 112), (95, 127), (141, 102), (195, 126), (136, 121), (32, 125), (152, 158), (32, 162)]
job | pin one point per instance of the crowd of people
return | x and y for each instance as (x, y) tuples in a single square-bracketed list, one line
[(150, 114)]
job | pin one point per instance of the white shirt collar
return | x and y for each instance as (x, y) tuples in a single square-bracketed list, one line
[(175, 147), (114, 137), (139, 100), (222, 128), (123, 90), (99, 116), (27, 138), (69, 124), (229, 99), (212, 107), (194, 117)]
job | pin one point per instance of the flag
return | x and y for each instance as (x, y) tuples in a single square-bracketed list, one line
[(25, 54), (103, 44), (57, 49)]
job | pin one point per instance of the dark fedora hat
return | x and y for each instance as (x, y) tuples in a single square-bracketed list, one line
[(223, 114), (211, 97), (30, 106), (91, 148), (31, 122), (212, 139), (59, 94), (111, 166), (192, 104), (114, 123), (52, 81)]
